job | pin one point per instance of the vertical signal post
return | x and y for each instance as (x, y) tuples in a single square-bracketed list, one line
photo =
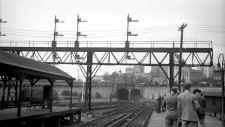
[(55, 34), (129, 33), (181, 29), (2, 21), (78, 33)]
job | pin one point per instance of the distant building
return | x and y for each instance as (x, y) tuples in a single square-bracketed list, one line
[(129, 70), (157, 75), (217, 78), (135, 70), (186, 74), (98, 78), (196, 75), (208, 71), (185, 78), (139, 69)]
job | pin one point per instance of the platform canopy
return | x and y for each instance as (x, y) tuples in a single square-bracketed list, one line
[(17, 66)]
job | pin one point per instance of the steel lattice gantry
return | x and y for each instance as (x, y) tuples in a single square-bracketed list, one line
[(94, 57)]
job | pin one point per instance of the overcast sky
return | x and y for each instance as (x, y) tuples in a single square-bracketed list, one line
[(158, 20)]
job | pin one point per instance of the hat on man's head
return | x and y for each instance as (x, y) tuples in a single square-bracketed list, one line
[(197, 91), (174, 90), (187, 86)]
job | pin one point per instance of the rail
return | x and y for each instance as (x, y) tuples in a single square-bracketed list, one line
[(138, 118), (110, 44), (111, 117), (141, 120), (123, 116)]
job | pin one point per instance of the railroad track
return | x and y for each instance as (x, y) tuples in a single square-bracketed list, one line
[(136, 119), (122, 122), (141, 120), (131, 115)]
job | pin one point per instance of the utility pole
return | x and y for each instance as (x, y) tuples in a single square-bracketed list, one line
[(181, 29), (78, 34), (87, 95), (171, 60), (88, 80), (55, 34), (129, 33)]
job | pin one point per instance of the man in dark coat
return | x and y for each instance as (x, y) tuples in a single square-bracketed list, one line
[(171, 108), (201, 109)]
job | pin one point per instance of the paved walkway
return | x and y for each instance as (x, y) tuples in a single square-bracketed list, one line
[(157, 120)]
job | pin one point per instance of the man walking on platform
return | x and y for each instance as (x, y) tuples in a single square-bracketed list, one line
[(171, 108), (202, 103), (187, 103)]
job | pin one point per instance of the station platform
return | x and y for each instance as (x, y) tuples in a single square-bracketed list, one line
[(28, 115), (9, 114), (157, 120)]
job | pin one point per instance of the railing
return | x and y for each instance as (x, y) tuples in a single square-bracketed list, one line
[(110, 44)]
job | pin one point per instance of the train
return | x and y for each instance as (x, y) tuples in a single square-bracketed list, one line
[(125, 94)]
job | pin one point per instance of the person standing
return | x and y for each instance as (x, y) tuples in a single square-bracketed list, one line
[(159, 102), (171, 108), (164, 103), (201, 109), (186, 104)]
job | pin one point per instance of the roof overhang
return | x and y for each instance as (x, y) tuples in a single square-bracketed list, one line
[(16, 66)]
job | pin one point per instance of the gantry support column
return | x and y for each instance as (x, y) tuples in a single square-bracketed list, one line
[(88, 80), (71, 94), (20, 96), (16, 91), (9, 89), (51, 95), (171, 81), (3, 92)]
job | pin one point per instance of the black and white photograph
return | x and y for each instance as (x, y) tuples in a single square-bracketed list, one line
[(112, 63)]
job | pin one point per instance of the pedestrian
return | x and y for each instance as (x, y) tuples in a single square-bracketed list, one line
[(171, 108), (164, 103), (201, 109), (159, 101), (187, 103)]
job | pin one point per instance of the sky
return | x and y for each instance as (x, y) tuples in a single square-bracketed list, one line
[(158, 20)]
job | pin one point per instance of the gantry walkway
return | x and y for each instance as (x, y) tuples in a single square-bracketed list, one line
[(157, 120)]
